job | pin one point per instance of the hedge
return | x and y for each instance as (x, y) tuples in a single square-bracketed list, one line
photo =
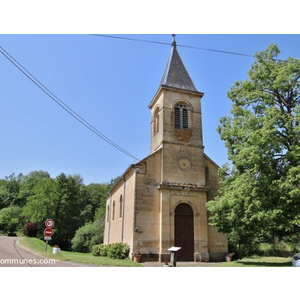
[(116, 250)]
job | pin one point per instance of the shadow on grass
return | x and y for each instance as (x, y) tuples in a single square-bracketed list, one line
[(264, 264)]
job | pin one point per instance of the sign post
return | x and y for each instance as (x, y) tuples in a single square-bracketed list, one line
[(48, 232), (173, 259)]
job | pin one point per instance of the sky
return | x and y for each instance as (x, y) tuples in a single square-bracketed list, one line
[(110, 83)]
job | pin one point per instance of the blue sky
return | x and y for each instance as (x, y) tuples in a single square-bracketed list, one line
[(109, 82)]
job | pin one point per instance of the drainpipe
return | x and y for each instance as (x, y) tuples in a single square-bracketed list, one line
[(109, 220), (123, 210), (134, 201)]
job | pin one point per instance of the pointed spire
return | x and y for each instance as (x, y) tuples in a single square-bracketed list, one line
[(175, 74)]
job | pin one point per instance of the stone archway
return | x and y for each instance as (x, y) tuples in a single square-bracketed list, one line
[(184, 232)]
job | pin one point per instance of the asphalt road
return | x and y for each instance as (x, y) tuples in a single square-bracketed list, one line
[(13, 255)]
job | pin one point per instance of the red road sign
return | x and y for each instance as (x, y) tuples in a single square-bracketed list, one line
[(48, 232), (49, 223)]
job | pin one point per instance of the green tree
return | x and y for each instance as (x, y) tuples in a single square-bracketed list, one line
[(2, 193), (61, 199), (70, 203), (28, 182), (10, 191), (87, 236), (259, 194), (41, 204), (11, 219), (92, 232)]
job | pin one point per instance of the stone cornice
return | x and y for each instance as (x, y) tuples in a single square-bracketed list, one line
[(180, 186)]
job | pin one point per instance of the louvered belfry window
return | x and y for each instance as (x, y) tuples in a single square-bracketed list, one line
[(181, 117)]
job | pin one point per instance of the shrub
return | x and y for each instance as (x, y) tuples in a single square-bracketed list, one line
[(87, 236), (31, 229), (100, 250), (96, 250), (116, 250)]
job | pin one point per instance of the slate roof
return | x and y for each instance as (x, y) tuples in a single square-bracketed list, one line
[(175, 74)]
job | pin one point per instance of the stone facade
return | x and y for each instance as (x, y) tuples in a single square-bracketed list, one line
[(160, 202)]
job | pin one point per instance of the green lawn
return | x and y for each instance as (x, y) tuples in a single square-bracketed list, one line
[(38, 247), (260, 262)]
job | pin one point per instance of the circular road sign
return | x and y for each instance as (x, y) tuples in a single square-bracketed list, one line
[(48, 232), (49, 223)]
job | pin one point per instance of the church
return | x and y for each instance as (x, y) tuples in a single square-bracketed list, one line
[(160, 202)]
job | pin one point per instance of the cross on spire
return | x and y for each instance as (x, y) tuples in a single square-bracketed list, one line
[(173, 40)]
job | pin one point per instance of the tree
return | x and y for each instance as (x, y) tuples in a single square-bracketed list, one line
[(87, 236), (61, 199), (259, 194), (28, 182), (41, 204), (70, 202), (92, 233), (11, 219), (10, 191), (2, 193)]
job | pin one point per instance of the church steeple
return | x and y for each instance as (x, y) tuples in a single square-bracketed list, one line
[(176, 108), (176, 75)]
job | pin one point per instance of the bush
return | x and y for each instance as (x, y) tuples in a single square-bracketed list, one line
[(116, 250), (100, 250), (31, 229), (96, 250), (87, 236)]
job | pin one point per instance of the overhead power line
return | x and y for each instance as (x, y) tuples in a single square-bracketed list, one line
[(62, 104), (178, 45), (169, 44)]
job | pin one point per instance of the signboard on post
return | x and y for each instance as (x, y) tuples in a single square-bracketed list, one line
[(48, 232), (49, 223)]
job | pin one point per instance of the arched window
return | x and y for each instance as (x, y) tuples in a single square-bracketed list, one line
[(121, 207), (156, 121), (107, 217), (181, 117), (113, 212)]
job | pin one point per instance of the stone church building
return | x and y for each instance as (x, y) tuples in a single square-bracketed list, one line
[(159, 202)]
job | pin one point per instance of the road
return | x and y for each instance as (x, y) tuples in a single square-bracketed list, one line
[(13, 255)]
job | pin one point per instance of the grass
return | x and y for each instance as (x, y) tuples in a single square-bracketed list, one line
[(38, 247), (257, 261)]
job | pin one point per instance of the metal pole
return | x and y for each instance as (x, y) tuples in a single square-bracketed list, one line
[(46, 245)]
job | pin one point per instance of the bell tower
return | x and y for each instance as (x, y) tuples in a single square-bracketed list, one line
[(176, 124)]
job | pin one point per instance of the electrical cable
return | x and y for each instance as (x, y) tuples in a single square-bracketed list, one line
[(178, 45), (169, 44), (62, 104)]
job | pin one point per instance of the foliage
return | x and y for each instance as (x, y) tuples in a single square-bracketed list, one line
[(259, 194), (31, 230), (87, 236), (115, 250), (10, 191), (64, 198), (100, 250), (41, 205), (38, 246), (11, 219)]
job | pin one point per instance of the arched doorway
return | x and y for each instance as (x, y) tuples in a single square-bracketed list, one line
[(184, 232)]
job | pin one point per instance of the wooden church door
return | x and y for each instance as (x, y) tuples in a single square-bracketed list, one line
[(184, 232)]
